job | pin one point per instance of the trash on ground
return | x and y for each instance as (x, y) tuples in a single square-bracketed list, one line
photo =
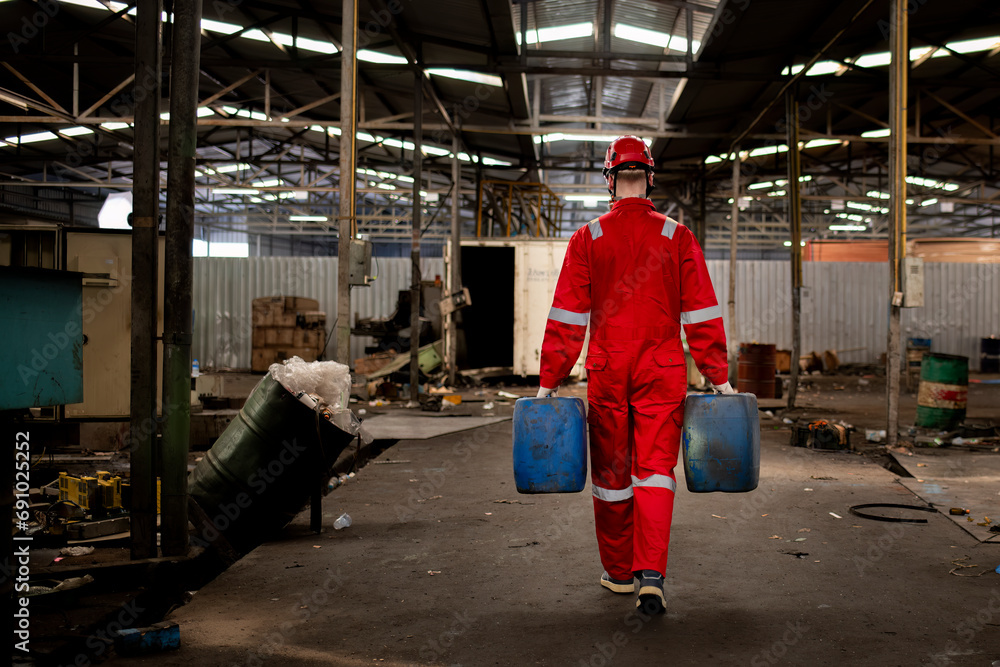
[(960, 565), (872, 435), (835, 516), (488, 406), (822, 434), (158, 637), (958, 511), (507, 394), (343, 521), (716, 516), (891, 519), (433, 572), (76, 551)]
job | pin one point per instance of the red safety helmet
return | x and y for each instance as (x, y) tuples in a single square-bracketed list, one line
[(628, 152)]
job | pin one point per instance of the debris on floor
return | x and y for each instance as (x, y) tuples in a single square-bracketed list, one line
[(822, 434), (156, 638)]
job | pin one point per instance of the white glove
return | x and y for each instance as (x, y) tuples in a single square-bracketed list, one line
[(545, 392), (723, 388)]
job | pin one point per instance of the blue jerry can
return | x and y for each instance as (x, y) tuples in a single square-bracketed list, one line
[(721, 439), (550, 445)]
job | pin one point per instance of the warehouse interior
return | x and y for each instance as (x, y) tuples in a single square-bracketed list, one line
[(176, 228)]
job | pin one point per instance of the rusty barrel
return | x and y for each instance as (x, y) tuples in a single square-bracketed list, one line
[(757, 366), (943, 392)]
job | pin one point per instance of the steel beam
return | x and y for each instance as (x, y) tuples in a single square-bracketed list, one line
[(733, 232), (177, 278), (415, 279), (348, 146), (145, 222), (898, 75), (795, 219), (454, 267)]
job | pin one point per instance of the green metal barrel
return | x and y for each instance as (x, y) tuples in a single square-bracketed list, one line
[(261, 471), (943, 392)]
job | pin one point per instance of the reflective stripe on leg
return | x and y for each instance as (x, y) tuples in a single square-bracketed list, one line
[(612, 495), (655, 481)]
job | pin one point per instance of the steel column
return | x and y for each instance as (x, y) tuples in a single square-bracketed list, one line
[(178, 269), (145, 222), (348, 141), (454, 267), (795, 223), (898, 74), (733, 233), (418, 140)]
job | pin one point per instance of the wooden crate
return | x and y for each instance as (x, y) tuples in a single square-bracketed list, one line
[(373, 363)]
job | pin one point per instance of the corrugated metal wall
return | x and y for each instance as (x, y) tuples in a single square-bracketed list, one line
[(844, 306), (224, 289)]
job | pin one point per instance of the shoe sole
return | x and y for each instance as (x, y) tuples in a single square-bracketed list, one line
[(618, 588), (651, 600)]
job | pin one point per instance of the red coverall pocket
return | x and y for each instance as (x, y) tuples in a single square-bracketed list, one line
[(665, 358), (596, 363)]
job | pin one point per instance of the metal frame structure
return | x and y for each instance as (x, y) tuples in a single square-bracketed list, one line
[(274, 110)]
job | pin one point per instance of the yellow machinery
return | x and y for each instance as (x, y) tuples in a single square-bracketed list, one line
[(514, 208), (102, 492)]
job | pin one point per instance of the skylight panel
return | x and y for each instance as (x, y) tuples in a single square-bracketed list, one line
[(75, 131), (873, 134), (94, 4), (973, 45), (220, 26), (464, 75), (379, 57), (819, 143), (30, 138), (875, 59), (557, 33), (652, 37)]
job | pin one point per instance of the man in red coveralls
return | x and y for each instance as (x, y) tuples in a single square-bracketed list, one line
[(635, 276)]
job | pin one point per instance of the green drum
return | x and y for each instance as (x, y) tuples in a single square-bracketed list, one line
[(944, 391), (262, 470)]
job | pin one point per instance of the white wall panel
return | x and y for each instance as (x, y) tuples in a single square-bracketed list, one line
[(224, 289), (843, 305)]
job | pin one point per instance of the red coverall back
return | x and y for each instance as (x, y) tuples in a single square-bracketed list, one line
[(635, 276)]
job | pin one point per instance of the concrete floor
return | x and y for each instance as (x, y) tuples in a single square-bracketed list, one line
[(446, 564)]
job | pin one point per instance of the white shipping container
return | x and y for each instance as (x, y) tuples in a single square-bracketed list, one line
[(535, 271)]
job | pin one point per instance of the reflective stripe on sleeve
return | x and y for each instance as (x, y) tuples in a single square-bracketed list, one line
[(703, 315), (669, 227), (656, 481), (595, 228), (612, 495), (569, 317)]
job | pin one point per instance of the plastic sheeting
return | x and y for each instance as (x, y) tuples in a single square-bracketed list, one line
[(225, 287)]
